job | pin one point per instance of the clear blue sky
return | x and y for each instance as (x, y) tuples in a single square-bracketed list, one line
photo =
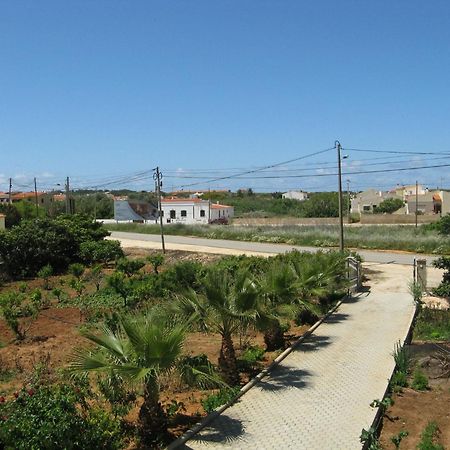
[(96, 89)]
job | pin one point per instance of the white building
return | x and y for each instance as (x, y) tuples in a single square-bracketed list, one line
[(192, 211), (295, 195)]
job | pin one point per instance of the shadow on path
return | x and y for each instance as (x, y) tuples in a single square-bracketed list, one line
[(223, 429), (284, 377)]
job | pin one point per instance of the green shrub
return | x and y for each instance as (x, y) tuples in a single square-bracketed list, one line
[(129, 267), (420, 381), (398, 438), (389, 206), (253, 354), (402, 357), (56, 417), (31, 245), (45, 273), (156, 260), (77, 270), (13, 306), (399, 380), (100, 251), (429, 437), (222, 397)]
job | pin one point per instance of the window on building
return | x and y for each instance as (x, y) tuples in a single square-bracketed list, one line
[(366, 208), (202, 213), (219, 212), (183, 213), (172, 214)]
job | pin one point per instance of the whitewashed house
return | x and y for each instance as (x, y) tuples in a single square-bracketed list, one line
[(295, 195), (191, 211)]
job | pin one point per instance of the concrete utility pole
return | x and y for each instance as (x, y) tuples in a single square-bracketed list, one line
[(36, 198), (67, 196), (10, 192), (348, 201), (417, 201), (341, 219), (157, 176)]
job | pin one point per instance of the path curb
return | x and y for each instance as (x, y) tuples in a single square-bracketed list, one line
[(210, 417), (376, 423)]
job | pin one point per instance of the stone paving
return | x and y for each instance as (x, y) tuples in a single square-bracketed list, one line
[(319, 396)]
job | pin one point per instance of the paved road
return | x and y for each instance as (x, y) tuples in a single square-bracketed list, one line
[(232, 247), (319, 397)]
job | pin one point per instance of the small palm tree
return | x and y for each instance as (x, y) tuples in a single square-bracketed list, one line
[(223, 307), (142, 350)]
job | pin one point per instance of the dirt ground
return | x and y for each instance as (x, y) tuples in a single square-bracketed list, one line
[(413, 410)]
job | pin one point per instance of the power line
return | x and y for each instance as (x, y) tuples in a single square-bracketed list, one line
[(271, 166)]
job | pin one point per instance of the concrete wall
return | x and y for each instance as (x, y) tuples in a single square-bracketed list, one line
[(2, 222), (280, 221), (397, 219), (445, 196)]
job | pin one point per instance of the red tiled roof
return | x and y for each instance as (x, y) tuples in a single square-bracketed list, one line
[(24, 195), (182, 200), (218, 206)]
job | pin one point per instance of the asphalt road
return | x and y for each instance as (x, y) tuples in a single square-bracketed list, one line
[(200, 244)]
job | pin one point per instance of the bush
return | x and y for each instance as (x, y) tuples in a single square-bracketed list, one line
[(399, 379), (420, 381), (13, 306), (389, 206), (129, 267), (45, 273), (100, 251), (55, 417), (77, 270), (31, 245), (222, 397)]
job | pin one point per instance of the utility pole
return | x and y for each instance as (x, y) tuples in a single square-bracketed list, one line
[(348, 201), (10, 191), (157, 176), (417, 201), (68, 209), (341, 219), (36, 198)]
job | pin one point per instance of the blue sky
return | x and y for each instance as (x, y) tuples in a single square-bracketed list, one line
[(103, 90)]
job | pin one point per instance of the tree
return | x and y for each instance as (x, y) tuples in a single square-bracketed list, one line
[(223, 307), (388, 206), (141, 350), (278, 290), (12, 215)]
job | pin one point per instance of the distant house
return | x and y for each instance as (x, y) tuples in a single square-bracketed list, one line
[(295, 195), (42, 197), (4, 198), (194, 211), (427, 203), (126, 210), (365, 202)]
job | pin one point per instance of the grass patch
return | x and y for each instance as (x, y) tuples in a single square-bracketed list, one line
[(432, 325), (397, 237)]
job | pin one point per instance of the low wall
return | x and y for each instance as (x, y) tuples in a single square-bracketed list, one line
[(282, 221), (368, 219)]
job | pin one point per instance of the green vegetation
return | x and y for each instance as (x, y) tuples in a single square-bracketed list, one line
[(222, 397), (398, 237), (51, 417), (429, 438), (388, 206), (420, 381), (432, 325), (28, 247), (443, 289), (398, 438)]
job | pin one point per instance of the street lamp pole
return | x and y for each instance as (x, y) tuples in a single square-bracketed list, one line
[(340, 202)]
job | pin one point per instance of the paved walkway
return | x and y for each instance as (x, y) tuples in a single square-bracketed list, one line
[(319, 396)]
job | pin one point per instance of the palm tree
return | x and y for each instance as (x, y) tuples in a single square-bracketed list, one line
[(223, 307), (278, 289), (142, 350)]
